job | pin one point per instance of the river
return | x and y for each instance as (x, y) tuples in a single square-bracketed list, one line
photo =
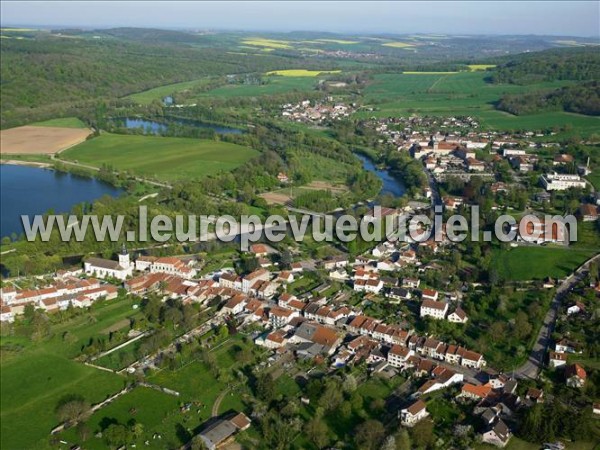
[(391, 185), (155, 127), (33, 190)]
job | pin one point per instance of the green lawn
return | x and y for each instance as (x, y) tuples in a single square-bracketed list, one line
[(144, 405), (63, 122), (519, 444), (164, 158), (34, 380), (464, 93), (532, 262), (594, 178), (32, 387)]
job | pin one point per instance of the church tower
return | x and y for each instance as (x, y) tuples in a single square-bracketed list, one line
[(124, 261)]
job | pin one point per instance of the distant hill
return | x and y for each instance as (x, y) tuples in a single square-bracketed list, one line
[(577, 64), (52, 74), (582, 98)]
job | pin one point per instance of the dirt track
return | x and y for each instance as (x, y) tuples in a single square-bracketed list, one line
[(40, 140)]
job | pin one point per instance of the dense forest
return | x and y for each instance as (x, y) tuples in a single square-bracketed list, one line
[(582, 98), (551, 65), (60, 74)]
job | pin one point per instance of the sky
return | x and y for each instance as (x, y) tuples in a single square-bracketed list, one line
[(566, 18)]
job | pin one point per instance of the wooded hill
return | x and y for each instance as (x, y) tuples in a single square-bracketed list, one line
[(578, 64), (582, 98)]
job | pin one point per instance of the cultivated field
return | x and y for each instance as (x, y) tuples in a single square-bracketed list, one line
[(476, 67), (161, 157), (40, 139), (276, 197), (398, 45), (301, 72), (284, 195)]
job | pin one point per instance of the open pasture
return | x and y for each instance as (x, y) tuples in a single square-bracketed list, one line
[(161, 157), (275, 85), (40, 139), (463, 93), (555, 262), (143, 405), (48, 372), (61, 122), (158, 93)]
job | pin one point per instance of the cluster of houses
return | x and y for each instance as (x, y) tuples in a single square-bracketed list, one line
[(575, 375), (171, 276), (319, 112), (318, 330), (403, 132), (444, 158), (64, 292), (493, 396), (123, 268)]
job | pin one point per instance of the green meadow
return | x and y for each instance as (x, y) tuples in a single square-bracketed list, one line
[(276, 84), (35, 377), (463, 93), (160, 413), (164, 158), (63, 122), (533, 262), (158, 93)]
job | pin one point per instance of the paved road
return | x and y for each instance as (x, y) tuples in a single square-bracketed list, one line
[(533, 365)]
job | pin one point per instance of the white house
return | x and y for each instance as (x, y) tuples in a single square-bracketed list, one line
[(430, 294), (172, 266), (414, 413), (498, 435), (251, 278), (235, 304), (557, 360), (372, 285), (6, 314), (432, 308), (279, 317), (398, 355), (412, 283), (560, 182), (458, 316), (566, 346), (472, 359), (575, 309)]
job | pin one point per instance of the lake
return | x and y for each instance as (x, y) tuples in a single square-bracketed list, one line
[(391, 185), (154, 127), (33, 190)]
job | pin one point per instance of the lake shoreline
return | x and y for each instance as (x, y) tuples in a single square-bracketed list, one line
[(17, 162)]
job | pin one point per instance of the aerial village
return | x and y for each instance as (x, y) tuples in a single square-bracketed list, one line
[(331, 328)]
